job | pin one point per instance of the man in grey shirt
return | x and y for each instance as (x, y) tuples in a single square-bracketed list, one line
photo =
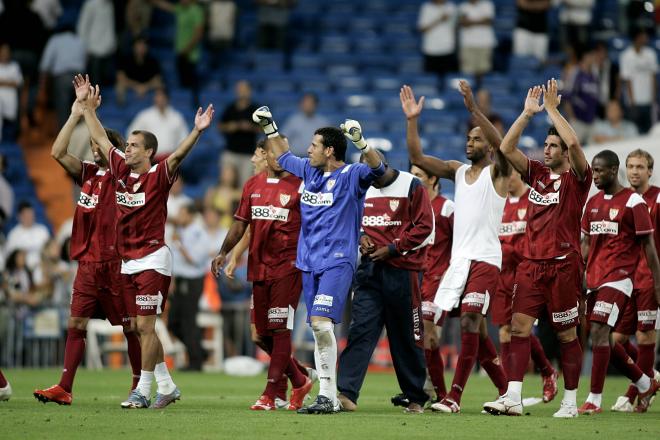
[(300, 126)]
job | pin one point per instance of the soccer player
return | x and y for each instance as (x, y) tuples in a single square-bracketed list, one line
[(550, 275), (270, 206), (142, 189), (476, 252), (331, 213), (97, 286), (640, 316), (398, 225), (617, 226), (512, 237), (5, 388)]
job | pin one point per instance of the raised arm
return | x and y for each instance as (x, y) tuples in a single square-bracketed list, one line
[(202, 122), (509, 145), (59, 152), (576, 157), (91, 99), (432, 165), (277, 143), (353, 132)]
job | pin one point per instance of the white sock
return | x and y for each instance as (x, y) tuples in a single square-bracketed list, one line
[(163, 379), (325, 356), (596, 399), (570, 396), (144, 385), (514, 391), (643, 384)]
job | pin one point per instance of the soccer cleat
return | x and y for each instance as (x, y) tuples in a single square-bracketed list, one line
[(162, 400), (446, 405), (298, 395), (622, 405), (400, 400), (321, 405), (264, 403), (281, 403), (644, 400), (5, 393), (136, 400), (53, 394), (504, 406), (566, 411), (589, 408), (414, 408), (549, 387), (432, 401), (346, 404)]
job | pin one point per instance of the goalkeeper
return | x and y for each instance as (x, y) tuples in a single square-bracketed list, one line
[(331, 207)]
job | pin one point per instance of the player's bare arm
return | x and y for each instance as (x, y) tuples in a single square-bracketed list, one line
[(237, 254), (236, 232), (203, 120), (90, 97), (653, 262), (509, 146), (576, 157), (353, 132), (264, 118), (59, 152), (432, 165)]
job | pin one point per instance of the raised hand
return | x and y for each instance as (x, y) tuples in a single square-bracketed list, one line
[(81, 86), (264, 118), (551, 97), (532, 101), (353, 133), (93, 99), (411, 108), (203, 119), (468, 98)]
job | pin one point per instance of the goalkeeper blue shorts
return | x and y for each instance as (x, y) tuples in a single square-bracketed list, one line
[(326, 291)]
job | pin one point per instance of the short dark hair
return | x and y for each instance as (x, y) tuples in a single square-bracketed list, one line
[(552, 131), (643, 154), (150, 141), (23, 205), (116, 139), (334, 137), (609, 157)]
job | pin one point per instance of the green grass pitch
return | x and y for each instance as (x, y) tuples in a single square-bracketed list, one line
[(215, 406)]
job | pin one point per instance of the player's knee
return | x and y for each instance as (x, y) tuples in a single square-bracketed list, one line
[(146, 328), (323, 333), (645, 338), (521, 326), (431, 342), (505, 333), (470, 322), (600, 334), (619, 338), (78, 323), (566, 336)]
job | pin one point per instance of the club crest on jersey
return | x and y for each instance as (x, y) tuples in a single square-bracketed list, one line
[(613, 213), (394, 205), (330, 184), (556, 184), (521, 213), (137, 186), (284, 199)]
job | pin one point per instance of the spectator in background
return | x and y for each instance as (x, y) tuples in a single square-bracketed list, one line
[(215, 232), (18, 279), (477, 37), (607, 74), (189, 245), (177, 200), (581, 99), (240, 132), (137, 20), (6, 194), (164, 121), (96, 29), (300, 126), (437, 24), (575, 18), (63, 57), (484, 103), (27, 235), (53, 275), (639, 65), (273, 20), (530, 37), (48, 10), (224, 196), (614, 127), (10, 81), (138, 71)]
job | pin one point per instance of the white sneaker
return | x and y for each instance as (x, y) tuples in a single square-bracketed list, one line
[(281, 403), (622, 405), (5, 393), (566, 411), (504, 406)]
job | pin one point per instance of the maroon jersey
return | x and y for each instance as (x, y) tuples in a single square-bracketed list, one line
[(554, 211), (272, 208), (438, 254), (613, 224), (513, 228), (95, 218), (142, 205), (643, 274), (400, 216)]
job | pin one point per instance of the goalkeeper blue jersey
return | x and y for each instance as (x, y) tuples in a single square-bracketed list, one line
[(331, 207)]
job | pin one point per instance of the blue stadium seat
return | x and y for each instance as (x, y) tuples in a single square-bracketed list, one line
[(350, 84)]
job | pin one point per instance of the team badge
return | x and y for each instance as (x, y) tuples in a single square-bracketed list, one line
[(394, 204), (556, 184), (284, 199), (521, 213), (330, 184), (136, 186), (613, 213)]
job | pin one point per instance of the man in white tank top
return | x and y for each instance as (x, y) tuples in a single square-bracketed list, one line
[(471, 278)]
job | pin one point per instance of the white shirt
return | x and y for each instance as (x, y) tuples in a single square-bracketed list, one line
[(481, 35), (175, 202), (169, 127), (96, 27), (9, 95), (31, 240), (639, 69), (194, 239), (576, 11), (440, 39), (48, 10), (6, 195)]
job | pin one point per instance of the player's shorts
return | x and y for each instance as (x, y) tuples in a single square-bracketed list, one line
[(145, 292), (641, 313), (326, 291), (482, 280), (430, 311), (97, 292), (274, 303), (500, 306), (606, 305), (554, 285)]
